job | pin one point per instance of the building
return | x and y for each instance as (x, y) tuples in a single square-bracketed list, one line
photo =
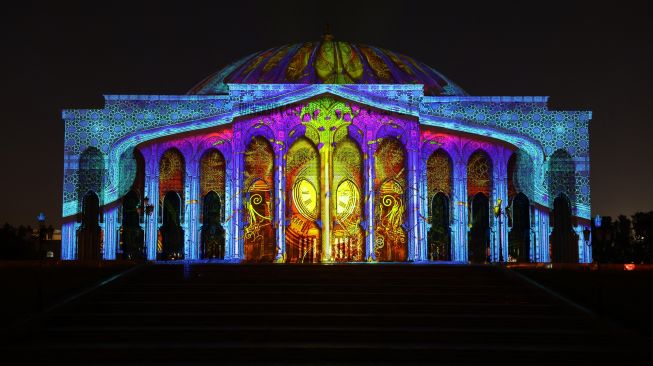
[(327, 151)]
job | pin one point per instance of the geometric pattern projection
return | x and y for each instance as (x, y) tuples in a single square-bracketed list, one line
[(367, 112)]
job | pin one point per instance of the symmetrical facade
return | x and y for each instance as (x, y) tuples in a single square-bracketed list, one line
[(327, 152)]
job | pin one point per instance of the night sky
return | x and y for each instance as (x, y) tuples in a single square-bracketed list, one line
[(584, 58)]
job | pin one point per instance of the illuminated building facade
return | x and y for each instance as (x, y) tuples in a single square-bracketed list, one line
[(327, 152)]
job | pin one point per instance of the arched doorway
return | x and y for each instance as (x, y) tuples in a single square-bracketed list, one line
[(212, 191), (89, 235), (172, 235), (519, 237), (131, 233), (438, 177), (347, 236), (303, 239), (213, 234), (259, 236), (479, 232), (172, 171), (439, 236), (564, 241), (391, 239), (479, 186)]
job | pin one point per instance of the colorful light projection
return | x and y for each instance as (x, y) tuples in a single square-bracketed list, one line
[(347, 204), (212, 193), (303, 239), (258, 181), (391, 239), (439, 177), (479, 186), (172, 170)]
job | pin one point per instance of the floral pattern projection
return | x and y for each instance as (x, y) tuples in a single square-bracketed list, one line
[(171, 193), (303, 240), (347, 235), (212, 195), (259, 182), (391, 239), (438, 176)]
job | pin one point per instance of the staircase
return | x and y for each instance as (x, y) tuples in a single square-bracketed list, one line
[(328, 314)]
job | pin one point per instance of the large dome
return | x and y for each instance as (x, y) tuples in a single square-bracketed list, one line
[(328, 62)]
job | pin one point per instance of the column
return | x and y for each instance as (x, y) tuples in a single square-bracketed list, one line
[(413, 198), (227, 220), (110, 232), (152, 194), (541, 226), (280, 198), (500, 191), (237, 210), (191, 222), (69, 240), (325, 209), (459, 226), (369, 199), (423, 212)]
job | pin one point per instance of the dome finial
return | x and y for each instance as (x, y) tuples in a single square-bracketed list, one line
[(327, 36)]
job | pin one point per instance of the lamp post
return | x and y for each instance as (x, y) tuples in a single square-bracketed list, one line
[(149, 208), (497, 213)]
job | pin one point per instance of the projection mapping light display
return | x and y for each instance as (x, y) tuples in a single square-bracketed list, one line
[(323, 152)]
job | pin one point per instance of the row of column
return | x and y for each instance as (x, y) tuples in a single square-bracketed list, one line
[(416, 221)]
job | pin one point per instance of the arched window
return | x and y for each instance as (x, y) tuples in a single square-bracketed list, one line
[(479, 187), (303, 239), (439, 177), (391, 239), (347, 236), (90, 173), (212, 189), (260, 244), (172, 171)]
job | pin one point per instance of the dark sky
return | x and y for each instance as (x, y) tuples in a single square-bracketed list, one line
[(585, 58)]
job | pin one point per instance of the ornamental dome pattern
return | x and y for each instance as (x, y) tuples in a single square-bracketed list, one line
[(328, 62)]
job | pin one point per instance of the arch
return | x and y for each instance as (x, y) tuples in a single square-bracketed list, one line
[(213, 234), (479, 173), (347, 237), (479, 191), (89, 235), (213, 174), (439, 235), (391, 241), (303, 187), (564, 241), (171, 233), (172, 173), (562, 175), (479, 231), (90, 174), (519, 236), (131, 234), (259, 235)]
